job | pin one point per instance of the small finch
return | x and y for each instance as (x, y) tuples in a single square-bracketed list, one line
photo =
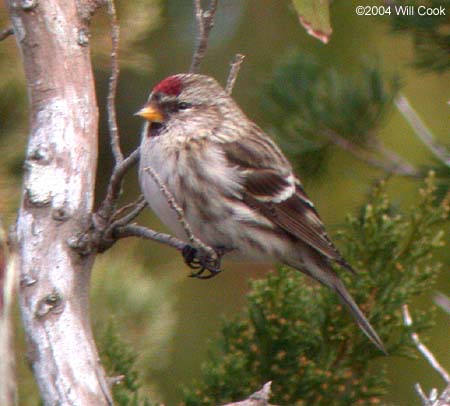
[(237, 190)]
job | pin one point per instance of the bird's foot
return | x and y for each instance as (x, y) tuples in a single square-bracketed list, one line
[(202, 262)]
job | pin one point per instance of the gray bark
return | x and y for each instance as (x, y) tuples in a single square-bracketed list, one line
[(57, 199)]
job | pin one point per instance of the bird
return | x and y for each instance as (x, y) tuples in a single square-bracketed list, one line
[(235, 187)]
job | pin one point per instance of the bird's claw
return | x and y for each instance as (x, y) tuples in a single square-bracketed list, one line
[(195, 259)]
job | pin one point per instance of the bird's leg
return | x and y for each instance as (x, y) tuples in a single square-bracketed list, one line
[(196, 259)]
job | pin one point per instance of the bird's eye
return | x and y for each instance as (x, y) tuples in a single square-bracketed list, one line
[(184, 106)]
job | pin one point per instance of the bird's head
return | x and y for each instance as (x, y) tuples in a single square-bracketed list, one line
[(182, 96), (187, 99)]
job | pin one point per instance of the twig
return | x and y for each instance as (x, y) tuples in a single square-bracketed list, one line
[(134, 230), (205, 22), (6, 33), (234, 71), (397, 161), (423, 397), (433, 399), (423, 348), (115, 184), (131, 208), (421, 130), (443, 302), (106, 231), (180, 214), (444, 399), (111, 99), (364, 156), (137, 207), (259, 398)]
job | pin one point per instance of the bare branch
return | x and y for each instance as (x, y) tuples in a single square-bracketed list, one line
[(398, 162), (111, 99), (104, 236), (180, 214), (234, 71), (136, 209), (6, 33), (423, 348), (423, 397), (433, 399), (115, 184), (365, 156), (443, 302), (131, 208), (260, 398), (444, 399), (100, 238), (205, 22), (421, 130), (134, 230)]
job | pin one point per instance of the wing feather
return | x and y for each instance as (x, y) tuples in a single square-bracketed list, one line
[(299, 219), (270, 188)]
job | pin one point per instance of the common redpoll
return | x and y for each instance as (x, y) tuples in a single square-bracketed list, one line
[(236, 188)]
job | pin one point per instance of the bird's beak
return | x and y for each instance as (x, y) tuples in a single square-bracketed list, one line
[(151, 113)]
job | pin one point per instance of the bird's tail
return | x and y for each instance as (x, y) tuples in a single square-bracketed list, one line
[(362, 321), (319, 269)]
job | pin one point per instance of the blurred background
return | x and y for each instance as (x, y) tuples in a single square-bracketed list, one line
[(168, 318)]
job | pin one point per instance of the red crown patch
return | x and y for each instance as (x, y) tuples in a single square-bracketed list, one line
[(171, 86)]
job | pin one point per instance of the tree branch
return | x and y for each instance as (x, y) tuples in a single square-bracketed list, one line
[(260, 398), (101, 238), (443, 302), (117, 220), (234, 71), (115, 186), (421, 130), (113, 79), (396, 168), (423, 348), (134, 209), (398, 162), (57, 201), (205, 22), (134, 230), (432, 399), (6, 33)]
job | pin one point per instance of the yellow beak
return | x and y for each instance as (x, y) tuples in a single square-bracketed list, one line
[(151, 113)]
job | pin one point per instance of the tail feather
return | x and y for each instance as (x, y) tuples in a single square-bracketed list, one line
[(314, 265), (362, 321)]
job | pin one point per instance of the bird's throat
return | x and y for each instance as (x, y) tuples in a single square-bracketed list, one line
[(155, 129)]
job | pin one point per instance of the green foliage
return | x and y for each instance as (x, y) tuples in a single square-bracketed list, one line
[(297, 334), (119, 360), (430, 34), (311, 107), (442, 176)]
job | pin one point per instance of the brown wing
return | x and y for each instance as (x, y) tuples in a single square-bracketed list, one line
[(271, 188), (297, 217)]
